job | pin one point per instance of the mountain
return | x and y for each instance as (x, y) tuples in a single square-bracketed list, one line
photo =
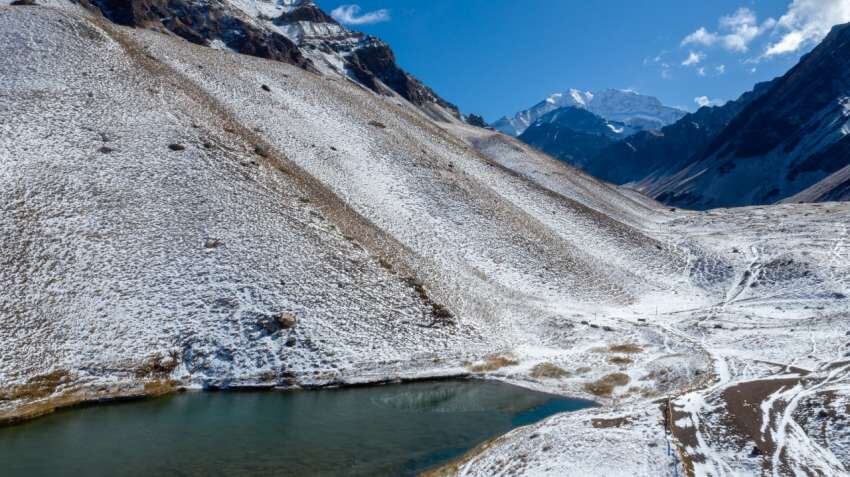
[(788, 139), (785, 140), (573, 134), (649, 155), (520, 121), (180, 215), (633, 109), (177, 215), (627, 107), (294, 31)]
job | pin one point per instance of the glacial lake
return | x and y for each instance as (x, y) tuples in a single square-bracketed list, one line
[(396, 429)]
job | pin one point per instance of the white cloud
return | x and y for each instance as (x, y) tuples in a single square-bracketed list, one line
[(806, 23), (705, 101), (720, 69), (790, 42), (736, 31), (701, 71), (694, 58), (350, 15), (700, 37)]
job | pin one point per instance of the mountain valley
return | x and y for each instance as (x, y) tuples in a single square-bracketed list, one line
[(246, 194)]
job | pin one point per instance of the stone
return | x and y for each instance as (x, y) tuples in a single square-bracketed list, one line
[(286, 320)]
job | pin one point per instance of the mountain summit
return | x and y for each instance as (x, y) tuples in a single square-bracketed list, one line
[(624, 106), (292, 31)]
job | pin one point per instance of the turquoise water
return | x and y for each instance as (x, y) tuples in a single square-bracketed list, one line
[(398, 429)]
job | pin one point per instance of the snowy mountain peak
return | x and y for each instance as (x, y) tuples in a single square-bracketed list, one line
[(629, 107), (268, 8), (581, 98), (623, 106)]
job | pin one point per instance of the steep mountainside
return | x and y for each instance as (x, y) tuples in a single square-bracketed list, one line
[(627, 107), (787, 140), (574, 135), (179, 216), (294, 31), (834, 187), (650, 155), (181, 203)]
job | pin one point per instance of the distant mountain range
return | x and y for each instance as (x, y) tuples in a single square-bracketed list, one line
[(786, 140), (574, 134), (621, 106), (579, 125), (659, 153)]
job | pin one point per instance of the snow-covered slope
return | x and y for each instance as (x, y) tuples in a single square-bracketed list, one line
[(633, 109), (176, 215), (160, 211), (620, 106), (293, 31)]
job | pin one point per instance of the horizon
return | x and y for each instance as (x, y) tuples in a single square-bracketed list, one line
[(516, 55)]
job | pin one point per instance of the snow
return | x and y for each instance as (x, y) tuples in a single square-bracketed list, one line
[(115, 258), (627, 107), (580, 98), (267, 8), (615, 129), (553, 99)]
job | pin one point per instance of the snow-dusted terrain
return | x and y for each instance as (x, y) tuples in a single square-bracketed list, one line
[(621, 107), (176, 215)]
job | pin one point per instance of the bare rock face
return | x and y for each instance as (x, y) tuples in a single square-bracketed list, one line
[(365, 58), (792, 137), (295, 32), (655, 154), (787, 140), (203, 23)]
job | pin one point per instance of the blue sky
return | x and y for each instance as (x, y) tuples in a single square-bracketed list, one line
[(495, 57)]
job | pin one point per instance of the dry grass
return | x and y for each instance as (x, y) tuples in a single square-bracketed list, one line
[(160, 387), (605, 385), (603, 423), (548, 371), (36, 387), (493, 363), (620, 360), (628, 348), (156, 365)]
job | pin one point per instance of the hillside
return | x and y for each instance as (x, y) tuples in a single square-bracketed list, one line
[(648, 156), (179, 215), (782, 141), (573, 135)]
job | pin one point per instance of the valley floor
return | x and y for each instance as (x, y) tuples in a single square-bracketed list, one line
[(181, 216)]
